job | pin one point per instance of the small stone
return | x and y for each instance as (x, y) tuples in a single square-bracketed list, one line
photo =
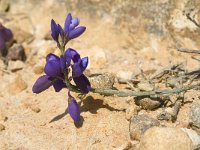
[(124, 75), (38, 69), (2, 127), (131, 111), (145, 86), (194, 116), (139, 124), (160, 138), (35, 109), (16, 52), (17, 85), (102, 80), (3, 117), (4, 5), (15, 65), (148, 103), (194, 137)]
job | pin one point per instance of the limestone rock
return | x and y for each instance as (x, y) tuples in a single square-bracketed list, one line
[(102, 80), (139, 124), (194, 116), (15, 65), (161, 138), (194, 137), (148, 102), (17, 85)]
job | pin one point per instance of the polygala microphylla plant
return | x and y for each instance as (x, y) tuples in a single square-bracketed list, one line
[(57, 68)]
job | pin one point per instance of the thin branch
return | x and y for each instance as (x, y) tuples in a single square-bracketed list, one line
[(185, 50), (108, 92), (194, 21)]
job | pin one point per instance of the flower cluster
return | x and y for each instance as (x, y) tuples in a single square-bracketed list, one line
[(57, 69), (5, 36)]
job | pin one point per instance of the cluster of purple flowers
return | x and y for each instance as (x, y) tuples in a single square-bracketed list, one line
[(5, 36), (57, 68)]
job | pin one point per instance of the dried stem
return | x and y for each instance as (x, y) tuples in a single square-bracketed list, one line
[(109, 92), (185, 50)]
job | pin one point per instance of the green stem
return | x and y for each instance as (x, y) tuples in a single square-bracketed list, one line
[(109, 92)]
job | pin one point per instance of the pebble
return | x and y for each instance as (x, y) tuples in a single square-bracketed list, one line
[(163, 138), (2, 127), (17, 85), (139, 124), (102, 80), (194, 137), (35, 109), (145, 86), (16, 52), (148, 103), (15, 65), (131, 111), (38, 69), (194, 116)]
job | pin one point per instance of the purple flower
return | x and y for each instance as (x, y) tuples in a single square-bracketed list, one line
[(54, 75), (78, 67), (69, 32), (5, 36), (73, 108)]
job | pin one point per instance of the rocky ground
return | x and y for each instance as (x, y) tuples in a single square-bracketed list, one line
[(134, 45)]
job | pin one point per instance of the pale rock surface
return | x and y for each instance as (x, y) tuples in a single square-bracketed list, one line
[(161, 138)]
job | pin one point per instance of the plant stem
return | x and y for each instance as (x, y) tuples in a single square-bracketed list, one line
[(108, 92)]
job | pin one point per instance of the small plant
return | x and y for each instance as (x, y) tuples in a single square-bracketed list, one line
[(57, 69)]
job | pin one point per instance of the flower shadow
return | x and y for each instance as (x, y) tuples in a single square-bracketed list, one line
[(92, 105)]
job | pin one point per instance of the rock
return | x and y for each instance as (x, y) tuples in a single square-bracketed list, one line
[(3, 117), (194, 116), (2, 127), (139, 124), (124, 75), (16, 52), (35, 109), (194, 137), (38, 69), (4, 5), (102, 80), (17, 85), (145, 86), (148, 103), (22, 36), (161, 138), (131, 111), (15, 65)]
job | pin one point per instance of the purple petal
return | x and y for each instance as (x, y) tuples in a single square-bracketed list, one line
[(2, 44), (5, 33), (59, 85), (71, 54), (63, 64), (73, 109), (79, 67), (77, 70), (74, 23), (82, 83), (67, 22), (52, 67), (42, 83), (54, 30), (76, 32), (51, 57), (84, 63)]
